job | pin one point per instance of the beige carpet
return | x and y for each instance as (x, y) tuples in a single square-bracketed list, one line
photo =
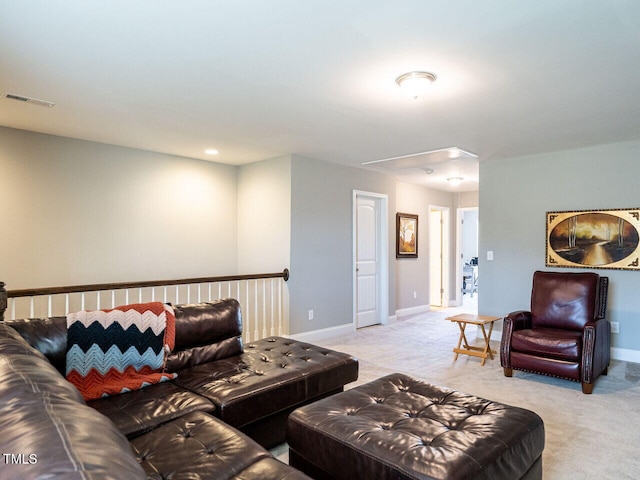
[(593, 436)]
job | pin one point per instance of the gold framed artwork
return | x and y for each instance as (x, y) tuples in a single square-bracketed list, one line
[(406, 235), (594, 239)]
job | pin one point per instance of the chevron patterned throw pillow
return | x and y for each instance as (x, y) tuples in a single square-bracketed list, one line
[(119, 350)]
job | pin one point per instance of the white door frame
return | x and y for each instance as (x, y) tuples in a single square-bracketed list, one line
[(383, 247), (446, 227)]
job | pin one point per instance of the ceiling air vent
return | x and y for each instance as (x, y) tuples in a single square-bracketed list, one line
[(22, 98)]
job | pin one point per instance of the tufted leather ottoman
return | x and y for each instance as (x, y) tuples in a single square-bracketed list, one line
[(397, 427)]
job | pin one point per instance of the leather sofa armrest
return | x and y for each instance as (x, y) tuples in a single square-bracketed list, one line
[(596, 350), (517, 320)]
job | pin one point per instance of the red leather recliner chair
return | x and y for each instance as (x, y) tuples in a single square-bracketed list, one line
[(565, 334)]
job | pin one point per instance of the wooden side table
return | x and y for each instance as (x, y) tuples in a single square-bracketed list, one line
[(463, 347)]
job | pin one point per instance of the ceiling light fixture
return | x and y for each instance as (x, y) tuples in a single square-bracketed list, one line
[(211, 151), (455, 181), (416, 83)]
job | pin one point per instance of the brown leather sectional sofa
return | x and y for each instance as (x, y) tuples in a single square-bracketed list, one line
[(229, 402)]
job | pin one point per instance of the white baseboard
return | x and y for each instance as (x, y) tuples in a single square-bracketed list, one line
[(392, 318), (622, 354), (625, 355), (495, 335), (405, 312), (324, 333)]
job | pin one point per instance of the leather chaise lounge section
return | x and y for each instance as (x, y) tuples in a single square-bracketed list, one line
[(227, 397)]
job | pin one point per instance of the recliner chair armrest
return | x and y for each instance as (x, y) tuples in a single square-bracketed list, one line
[(596, 349), (520, 319), (517, 320)]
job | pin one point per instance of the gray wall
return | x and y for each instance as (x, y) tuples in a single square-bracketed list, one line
[(77, 212), (515, 195), (413, 273), (321, 241), (467, 199), (264, 215)]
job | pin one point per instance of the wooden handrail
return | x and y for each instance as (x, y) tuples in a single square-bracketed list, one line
[(35, 292)]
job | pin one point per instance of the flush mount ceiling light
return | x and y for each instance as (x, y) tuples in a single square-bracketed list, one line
[(416, 83), (211, 151), (455, 181)]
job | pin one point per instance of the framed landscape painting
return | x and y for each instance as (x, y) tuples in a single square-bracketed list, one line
[(594, 239), (406, 235)]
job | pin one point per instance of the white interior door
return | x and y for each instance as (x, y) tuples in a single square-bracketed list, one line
[(367, 261)]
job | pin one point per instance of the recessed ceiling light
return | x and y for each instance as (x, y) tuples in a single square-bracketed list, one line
[(455, 181), (211, 151), (416, 83)]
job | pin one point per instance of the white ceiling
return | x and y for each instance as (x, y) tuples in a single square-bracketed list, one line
[(256, 79)]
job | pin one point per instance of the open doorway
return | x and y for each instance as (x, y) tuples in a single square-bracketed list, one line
[(468, 275)]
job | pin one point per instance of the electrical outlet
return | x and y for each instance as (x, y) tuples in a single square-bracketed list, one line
[(615, 327), (310, 314)]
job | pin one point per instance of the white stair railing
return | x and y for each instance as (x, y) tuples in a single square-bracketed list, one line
[(261, 297)]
